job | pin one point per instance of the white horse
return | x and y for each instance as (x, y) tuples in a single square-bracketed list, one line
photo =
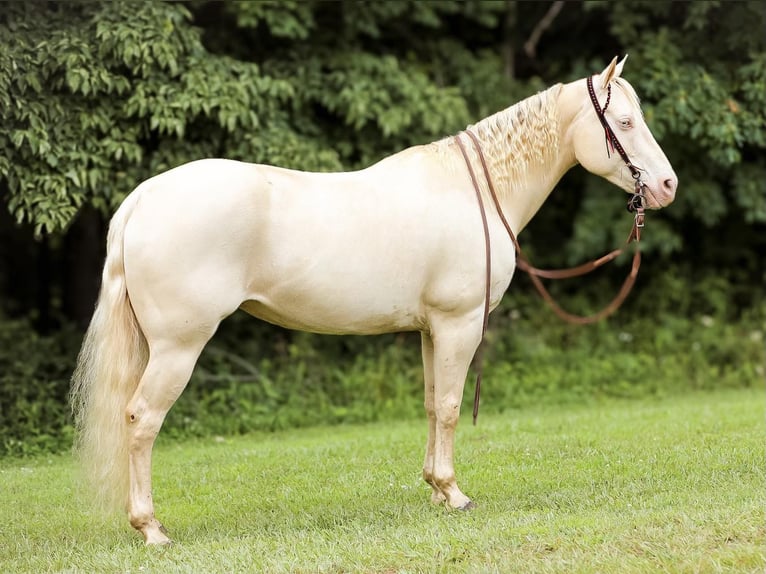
[(398, 246)]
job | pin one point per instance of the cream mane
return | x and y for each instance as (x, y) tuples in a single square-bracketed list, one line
[(516, 142)]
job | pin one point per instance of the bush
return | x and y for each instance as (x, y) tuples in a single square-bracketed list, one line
[(242, 384), (256, 376), (34, 384), (674, 334)]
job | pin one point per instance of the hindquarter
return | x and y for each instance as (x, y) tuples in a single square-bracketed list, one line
[(186, 247)]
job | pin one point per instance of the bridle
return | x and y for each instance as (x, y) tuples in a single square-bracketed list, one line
[(635, 205), (637, 199)]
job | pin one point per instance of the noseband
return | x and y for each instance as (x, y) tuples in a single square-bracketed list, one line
[(635, 205)]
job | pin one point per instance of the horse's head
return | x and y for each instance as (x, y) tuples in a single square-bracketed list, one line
[(630, 158)]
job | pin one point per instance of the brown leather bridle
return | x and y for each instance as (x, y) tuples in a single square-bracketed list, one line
[(635, 205)]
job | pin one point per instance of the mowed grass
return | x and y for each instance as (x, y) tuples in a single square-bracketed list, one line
[(673, 485)]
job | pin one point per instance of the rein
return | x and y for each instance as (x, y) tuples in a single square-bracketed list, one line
[(635, 205)]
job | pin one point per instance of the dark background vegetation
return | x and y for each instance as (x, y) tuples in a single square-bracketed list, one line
[(97, 96)]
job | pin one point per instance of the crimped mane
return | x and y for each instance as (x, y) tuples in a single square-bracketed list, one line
[(513, 140)]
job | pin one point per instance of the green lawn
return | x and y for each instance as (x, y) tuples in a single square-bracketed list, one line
[(672, 485)]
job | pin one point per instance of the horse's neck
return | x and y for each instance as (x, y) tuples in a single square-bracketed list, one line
[(525, 154)]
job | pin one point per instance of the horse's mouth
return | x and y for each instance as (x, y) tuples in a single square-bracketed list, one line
[(657, 200)]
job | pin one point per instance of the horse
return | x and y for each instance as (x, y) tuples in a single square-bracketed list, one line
[(396, 246)]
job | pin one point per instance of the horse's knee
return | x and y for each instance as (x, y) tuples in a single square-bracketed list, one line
[(448, 413)]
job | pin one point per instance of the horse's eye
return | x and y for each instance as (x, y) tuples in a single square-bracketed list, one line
[(625, 123)]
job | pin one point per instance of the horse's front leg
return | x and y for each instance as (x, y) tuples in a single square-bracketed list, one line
[(427, 348), (454, 342)]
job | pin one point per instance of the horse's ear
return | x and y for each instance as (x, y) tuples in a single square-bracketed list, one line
[(618, 68), (612, 71)]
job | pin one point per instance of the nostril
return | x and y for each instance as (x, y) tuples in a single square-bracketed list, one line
[(670, 184)]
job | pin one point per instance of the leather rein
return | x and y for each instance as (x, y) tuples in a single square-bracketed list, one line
[(635, 205)]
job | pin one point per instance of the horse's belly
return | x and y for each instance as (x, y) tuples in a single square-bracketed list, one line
[(331, 317)]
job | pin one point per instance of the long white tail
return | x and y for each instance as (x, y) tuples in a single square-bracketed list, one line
[(113, 357)]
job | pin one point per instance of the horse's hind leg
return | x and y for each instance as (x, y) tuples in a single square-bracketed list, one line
[(166, 375)]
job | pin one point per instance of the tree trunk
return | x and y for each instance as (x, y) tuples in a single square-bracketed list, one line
[(83, 257), (509, 31)]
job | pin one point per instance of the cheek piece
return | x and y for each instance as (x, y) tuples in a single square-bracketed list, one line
[(636, 201)]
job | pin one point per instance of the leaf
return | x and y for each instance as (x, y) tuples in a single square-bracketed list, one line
[(73, 177)]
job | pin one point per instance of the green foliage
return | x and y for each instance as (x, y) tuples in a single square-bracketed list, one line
[(34, 385), (96, 96), (287, 19), (306, 380), (251, 377), (634, 358), (706, 99), (111, 93)]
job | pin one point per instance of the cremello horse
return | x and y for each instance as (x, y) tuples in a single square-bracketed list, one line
[(398, 246)]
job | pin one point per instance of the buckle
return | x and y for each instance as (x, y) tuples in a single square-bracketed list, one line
[(639, 217)]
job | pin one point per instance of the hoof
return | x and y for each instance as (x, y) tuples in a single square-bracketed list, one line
[(156, 535), (158, 540)]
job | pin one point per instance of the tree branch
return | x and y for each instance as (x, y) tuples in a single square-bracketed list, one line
[(530, 46), (508, 43)]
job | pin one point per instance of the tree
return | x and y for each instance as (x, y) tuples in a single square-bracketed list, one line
[(100, 95), (96, 96), (701, 69)]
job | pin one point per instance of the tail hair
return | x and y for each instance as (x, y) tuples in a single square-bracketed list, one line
[(111, 361)]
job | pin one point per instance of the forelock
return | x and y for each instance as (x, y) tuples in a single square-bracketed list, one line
[(629, 92)]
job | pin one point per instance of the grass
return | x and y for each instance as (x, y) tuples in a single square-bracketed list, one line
[(672, 485)]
